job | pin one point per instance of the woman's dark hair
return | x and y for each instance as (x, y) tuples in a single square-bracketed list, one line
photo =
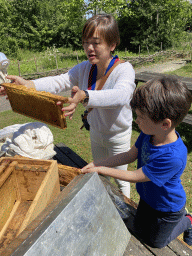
[(107, 27), (166, 97)]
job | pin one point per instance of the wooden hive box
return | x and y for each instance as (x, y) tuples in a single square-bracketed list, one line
[(26, 187), (38, 105)]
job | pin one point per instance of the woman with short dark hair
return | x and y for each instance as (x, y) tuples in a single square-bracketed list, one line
[(111, 117)]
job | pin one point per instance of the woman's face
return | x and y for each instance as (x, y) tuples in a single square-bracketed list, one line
[(97, 50)]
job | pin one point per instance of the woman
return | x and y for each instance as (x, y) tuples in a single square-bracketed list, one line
[(111, 117)]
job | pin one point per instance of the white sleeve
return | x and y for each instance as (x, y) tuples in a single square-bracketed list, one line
[(63, 82), (117, 90)]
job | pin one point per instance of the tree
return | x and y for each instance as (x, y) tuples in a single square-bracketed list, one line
[(144, 22), (153, 22), (39, 24)]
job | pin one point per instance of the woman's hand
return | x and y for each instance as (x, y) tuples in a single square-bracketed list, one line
[(18, 81), (2, 91), (77, 96), (21, 81)]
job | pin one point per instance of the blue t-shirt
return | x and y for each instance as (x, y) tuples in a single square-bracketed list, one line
[(163, 165)]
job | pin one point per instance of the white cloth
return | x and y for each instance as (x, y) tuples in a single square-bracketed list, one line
[(3, 78), (102, 149), (111, 114), (33, 140), (8, 131)]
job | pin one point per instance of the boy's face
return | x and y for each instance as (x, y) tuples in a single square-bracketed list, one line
[(146, 125)]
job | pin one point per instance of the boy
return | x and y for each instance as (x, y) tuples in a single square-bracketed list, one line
[(160, 106)]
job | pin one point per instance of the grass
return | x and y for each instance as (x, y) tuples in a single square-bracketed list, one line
[(78, 140), (184, 71)]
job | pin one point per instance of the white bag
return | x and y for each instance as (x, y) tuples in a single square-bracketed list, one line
[(8, 131), (33, 140)]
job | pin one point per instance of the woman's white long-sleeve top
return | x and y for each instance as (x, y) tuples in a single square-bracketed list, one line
[(111, 114)]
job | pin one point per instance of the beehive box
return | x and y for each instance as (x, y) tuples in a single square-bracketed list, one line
[(26, 187), (41, 106)]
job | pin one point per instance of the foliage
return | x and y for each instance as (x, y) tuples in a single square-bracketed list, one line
[(146, 23), (31, 62), (152, 23), (38, 24)]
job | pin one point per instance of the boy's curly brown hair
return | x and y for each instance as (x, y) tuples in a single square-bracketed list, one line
[(165, 97)]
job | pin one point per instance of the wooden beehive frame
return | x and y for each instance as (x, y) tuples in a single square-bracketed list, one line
[(38, 105), (13, 183), (67, 174)]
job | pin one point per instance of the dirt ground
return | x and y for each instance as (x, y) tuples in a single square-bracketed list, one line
[(160, 68)]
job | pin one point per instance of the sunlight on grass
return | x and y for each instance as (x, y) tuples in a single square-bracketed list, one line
[(184, 71)]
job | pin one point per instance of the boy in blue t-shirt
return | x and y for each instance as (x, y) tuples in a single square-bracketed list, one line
[(160, 106)]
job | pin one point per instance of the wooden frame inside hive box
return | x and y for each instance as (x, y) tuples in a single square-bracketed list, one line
[(26, 188), (38, 105)]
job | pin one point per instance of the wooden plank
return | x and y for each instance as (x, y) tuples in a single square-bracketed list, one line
[(15, 223), (188, 119), (162, 252), (180, 247), (7, 173), (4, 165), (43, 195), (136, 248), (66, 156), (29, 183), (8, 197), (145, 76), (25, 160)]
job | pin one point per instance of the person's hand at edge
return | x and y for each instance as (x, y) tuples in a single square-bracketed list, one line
[(88, 167), (21, 81)]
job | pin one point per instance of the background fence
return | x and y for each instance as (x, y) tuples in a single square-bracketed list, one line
[(56, 63)]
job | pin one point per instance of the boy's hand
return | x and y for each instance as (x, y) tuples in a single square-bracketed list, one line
[(88, 168), (92, 169)]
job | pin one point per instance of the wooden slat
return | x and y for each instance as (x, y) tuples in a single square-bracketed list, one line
[(8, 196), (43, 195), (162, 252), (145, 76), (136, 248), (180, 247), (188, 119), (14, 225), (29, 183)]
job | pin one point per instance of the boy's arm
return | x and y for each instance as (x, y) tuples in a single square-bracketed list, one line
[(131, 176), (117, 160)]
